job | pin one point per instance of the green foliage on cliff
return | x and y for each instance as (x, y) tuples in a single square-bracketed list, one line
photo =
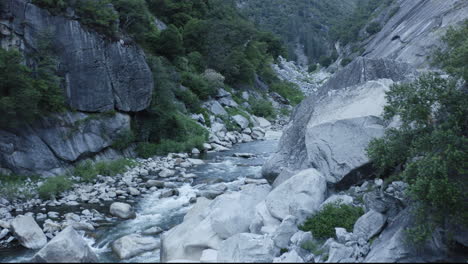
[(322, 224), (454, 57), (29, 92), (429, 149)]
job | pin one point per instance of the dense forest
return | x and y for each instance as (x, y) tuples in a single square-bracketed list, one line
[(316, 25)]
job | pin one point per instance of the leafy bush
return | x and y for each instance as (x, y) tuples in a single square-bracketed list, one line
[(28, 93), (322, 224), (147, 150), (373, 28), (325, 61), (135, 19), (262, 107), (98, 15), (190, 100), (345, 61), (124, 140), (54, 185), (453, 59), (313, 247), (198, 85), (429, 148), (88, 170), (170, 42), (312, 67), (289, 91)]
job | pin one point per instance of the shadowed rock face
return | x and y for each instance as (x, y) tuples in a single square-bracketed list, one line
[(330, 129), (412, 33), (99, 74), (51, 143)]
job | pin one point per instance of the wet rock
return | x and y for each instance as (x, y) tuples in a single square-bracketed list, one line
[(196, 162), (134, 245), (154, 183), (134, 191), (4, 233), (122, 210), (244, 155), (67, 247), (156, 230), (166, 173), (28, 232), (169, 193)]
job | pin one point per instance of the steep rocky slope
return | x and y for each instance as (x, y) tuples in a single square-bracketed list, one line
[(330, 130), (415, 30)]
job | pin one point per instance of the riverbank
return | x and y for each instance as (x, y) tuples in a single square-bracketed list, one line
[(173, 177)]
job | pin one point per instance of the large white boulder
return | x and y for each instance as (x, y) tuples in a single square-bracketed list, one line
[(209, 222), (300, 196), (28, 232), (247, 247), (67, 247), (133, 245), (122, 210)]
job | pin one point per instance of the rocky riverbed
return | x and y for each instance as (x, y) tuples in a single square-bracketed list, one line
[(142, 202)]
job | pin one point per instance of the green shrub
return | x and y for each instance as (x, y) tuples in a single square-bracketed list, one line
[(190, 100), (453, 59), (325, 61), (429, 148), (98, 15), (345, 61), (28, 93), (322, 224), (54, 185), (262, 107), (313, 247), (198, 85), (147, 150), (312, 67), (124, 140), (88, 170), (170, 42), (289, 91), (373, 28)]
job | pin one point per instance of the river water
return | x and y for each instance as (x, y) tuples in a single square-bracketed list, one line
[(168, 212)]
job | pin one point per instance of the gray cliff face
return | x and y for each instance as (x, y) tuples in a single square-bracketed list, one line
[(49, 145), (415, 30), (329, 129), (100, 75)]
